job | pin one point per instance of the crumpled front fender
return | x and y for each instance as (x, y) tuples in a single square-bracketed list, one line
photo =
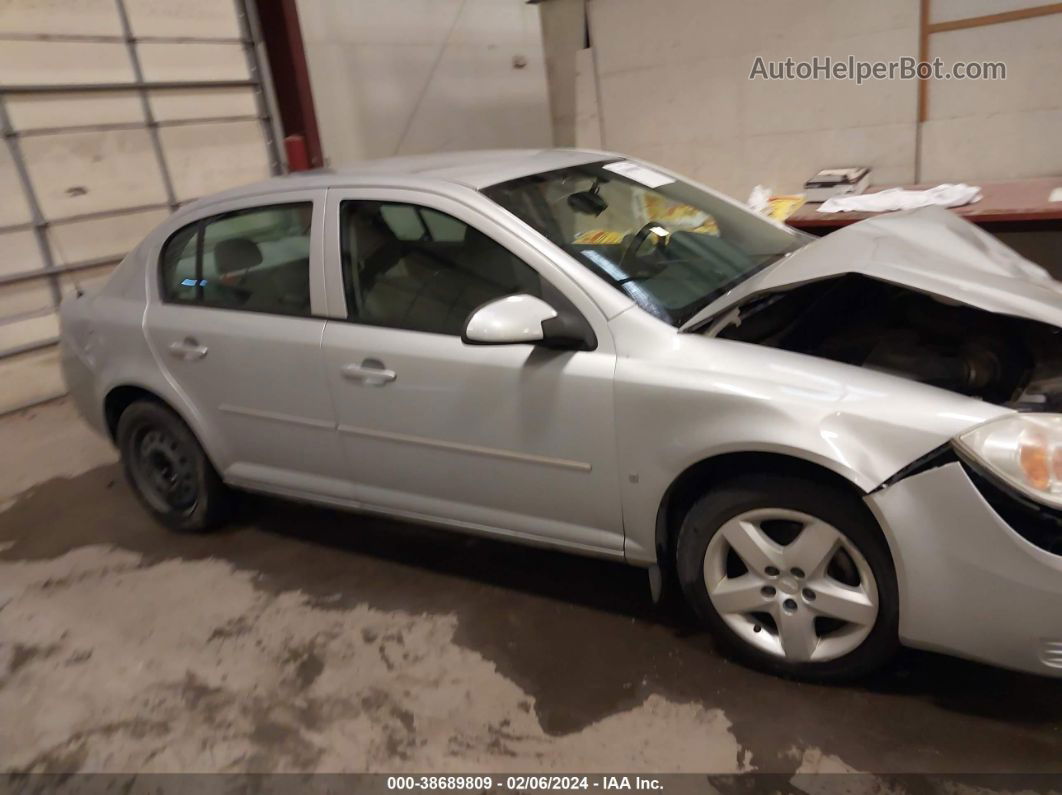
[(703, 398)]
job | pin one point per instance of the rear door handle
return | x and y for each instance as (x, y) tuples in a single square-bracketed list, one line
[(188, 349), (370, 372)]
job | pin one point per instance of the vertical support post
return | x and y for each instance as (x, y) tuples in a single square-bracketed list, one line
[(923, 85), (14, 148), (597, 72), (295, 149), (258, 67), (145, 105)]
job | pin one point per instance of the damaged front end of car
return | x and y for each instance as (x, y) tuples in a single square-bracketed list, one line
[(922, 295), (862, 321), (928, 297)]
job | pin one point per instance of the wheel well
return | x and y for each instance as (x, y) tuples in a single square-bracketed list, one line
[(698, 478), (119, 399)]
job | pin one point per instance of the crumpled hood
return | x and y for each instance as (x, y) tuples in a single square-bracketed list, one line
[(929, 249)]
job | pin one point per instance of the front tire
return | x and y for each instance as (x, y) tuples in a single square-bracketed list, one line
[(792, 576), (168, 470)]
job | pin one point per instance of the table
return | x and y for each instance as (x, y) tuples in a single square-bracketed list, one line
[(1018, 212)]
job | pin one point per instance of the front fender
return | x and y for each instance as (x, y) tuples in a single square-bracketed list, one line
[(699, 398)]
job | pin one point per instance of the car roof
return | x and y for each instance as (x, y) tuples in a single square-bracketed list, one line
[(471, 169)]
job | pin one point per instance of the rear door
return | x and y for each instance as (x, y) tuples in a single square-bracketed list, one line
[(235, 319), (514, 438)]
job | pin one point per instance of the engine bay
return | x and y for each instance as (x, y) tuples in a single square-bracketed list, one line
[(869, 323)]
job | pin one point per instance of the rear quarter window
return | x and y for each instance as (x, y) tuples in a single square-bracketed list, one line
[(256, 259)]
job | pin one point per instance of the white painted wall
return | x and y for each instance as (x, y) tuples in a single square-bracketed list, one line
[(405, 76), (672, 84), (1001, 130)]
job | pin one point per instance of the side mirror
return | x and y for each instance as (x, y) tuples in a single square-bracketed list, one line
[(517, 319)]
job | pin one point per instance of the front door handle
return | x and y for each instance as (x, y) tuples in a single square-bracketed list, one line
[(370, 372), (188, 349)]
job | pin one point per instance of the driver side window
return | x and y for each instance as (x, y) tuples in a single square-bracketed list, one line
[(411, 267)]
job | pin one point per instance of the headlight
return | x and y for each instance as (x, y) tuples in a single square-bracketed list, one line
[(1024, 450)]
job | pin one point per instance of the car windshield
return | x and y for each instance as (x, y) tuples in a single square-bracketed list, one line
[(670, 246)]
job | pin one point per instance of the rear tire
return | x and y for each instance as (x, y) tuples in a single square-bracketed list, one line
[(792, 576), (168, 471)]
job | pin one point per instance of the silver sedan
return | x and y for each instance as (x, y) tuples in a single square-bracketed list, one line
[(828, 446)]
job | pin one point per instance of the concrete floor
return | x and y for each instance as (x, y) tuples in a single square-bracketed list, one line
[(306, 639)]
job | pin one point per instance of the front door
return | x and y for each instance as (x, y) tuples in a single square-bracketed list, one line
[(234, 325), (515, 438)]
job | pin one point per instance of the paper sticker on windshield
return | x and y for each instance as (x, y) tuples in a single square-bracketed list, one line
[(639, 173)]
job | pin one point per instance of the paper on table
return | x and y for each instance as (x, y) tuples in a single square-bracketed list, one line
[(945, 195)]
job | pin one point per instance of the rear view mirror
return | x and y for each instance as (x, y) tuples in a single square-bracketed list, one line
[(587, 202), (526, 319)]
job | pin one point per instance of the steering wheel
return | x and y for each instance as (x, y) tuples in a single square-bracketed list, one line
[(636, 243)]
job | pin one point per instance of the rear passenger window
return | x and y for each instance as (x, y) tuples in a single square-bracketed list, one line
[(411, 267), (257, 260)]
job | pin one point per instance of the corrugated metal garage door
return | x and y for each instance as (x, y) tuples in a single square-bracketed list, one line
[(114, 113)]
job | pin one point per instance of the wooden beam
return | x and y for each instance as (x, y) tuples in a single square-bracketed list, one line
[(923, 56), (994, 19)]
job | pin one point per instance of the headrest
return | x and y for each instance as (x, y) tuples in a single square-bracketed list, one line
[(371, 232), (236, 254)]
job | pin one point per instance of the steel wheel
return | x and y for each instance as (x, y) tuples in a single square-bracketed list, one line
[(169, 470), (791, 585), (164, 472)]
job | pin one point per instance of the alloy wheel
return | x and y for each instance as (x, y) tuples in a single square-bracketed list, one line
[(791, 585)]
